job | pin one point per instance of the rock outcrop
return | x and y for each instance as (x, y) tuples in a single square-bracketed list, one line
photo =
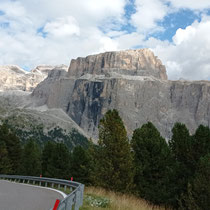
[(14, 78), (129, 62), (135, 83)]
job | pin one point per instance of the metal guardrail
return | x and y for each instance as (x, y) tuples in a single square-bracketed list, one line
[(74, 200)]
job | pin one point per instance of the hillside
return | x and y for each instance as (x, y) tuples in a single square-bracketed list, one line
[(39, 123)]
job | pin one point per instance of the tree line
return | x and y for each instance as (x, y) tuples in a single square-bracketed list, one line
[(174, 174)]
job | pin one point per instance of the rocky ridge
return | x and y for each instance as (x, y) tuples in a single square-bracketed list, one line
[(135, 83), (129, 62), (21, 112), (12, 77)]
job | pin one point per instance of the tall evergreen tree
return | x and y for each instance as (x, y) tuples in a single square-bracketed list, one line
[(201, 143), (80, 165), (114, 168), (47, 159), (201, 183), (60, 161), (13, 147), (181, 146), (5, 165), (198, 191), (154, 166), (31, 159), (92, 152)]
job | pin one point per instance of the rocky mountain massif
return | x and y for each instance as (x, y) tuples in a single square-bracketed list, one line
[(134, 82), (14, 78), (20, 112)]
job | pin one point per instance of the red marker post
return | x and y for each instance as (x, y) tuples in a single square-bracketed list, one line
[(56, 204)]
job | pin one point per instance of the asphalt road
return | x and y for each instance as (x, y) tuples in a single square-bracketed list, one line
[(15, 196)]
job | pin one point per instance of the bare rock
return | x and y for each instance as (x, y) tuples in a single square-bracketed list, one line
[(14, 78), (141, 62), (135, 83)]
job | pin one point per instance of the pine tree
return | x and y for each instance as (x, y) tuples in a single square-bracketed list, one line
[(61, 161), (114, 168), (198, 191), (92, 152), (201, 183), (181, 145), (80, 165), (5, 165), (31, 159), (47, 158), (154, 166), (13, 147), (201, 143)]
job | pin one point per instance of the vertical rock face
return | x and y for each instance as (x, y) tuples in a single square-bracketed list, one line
[(135, 83), (129, 62)]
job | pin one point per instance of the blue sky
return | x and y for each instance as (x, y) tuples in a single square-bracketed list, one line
[(53, 32), (172, 22)]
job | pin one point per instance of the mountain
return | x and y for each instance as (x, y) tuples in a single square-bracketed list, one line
[(40, 123), (132, 81), (12, 77), (135, 83), (20, 112)]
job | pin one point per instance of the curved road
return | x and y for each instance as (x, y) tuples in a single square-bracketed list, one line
[(15, 196)]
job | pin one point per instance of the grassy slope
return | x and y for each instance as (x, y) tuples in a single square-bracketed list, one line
[(118, 201)]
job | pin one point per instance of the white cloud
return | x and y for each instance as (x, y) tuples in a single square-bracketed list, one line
[(62, 27), (71, 29), (128, 41), (148, 13), (52, 32), (182, 35), (12, 9), (191, 4), (88, 12), (188, 56)]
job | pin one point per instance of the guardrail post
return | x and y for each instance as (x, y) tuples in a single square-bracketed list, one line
[(40, 183), (45, 184), (34, 182), (77, 202), (65, 188), (69, 203), (59, 186), (82, 187), (52, 185)]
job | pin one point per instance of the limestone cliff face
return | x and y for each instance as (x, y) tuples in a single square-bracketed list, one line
[(140, 101), (130, 62), (13, 77), (133, 82)]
